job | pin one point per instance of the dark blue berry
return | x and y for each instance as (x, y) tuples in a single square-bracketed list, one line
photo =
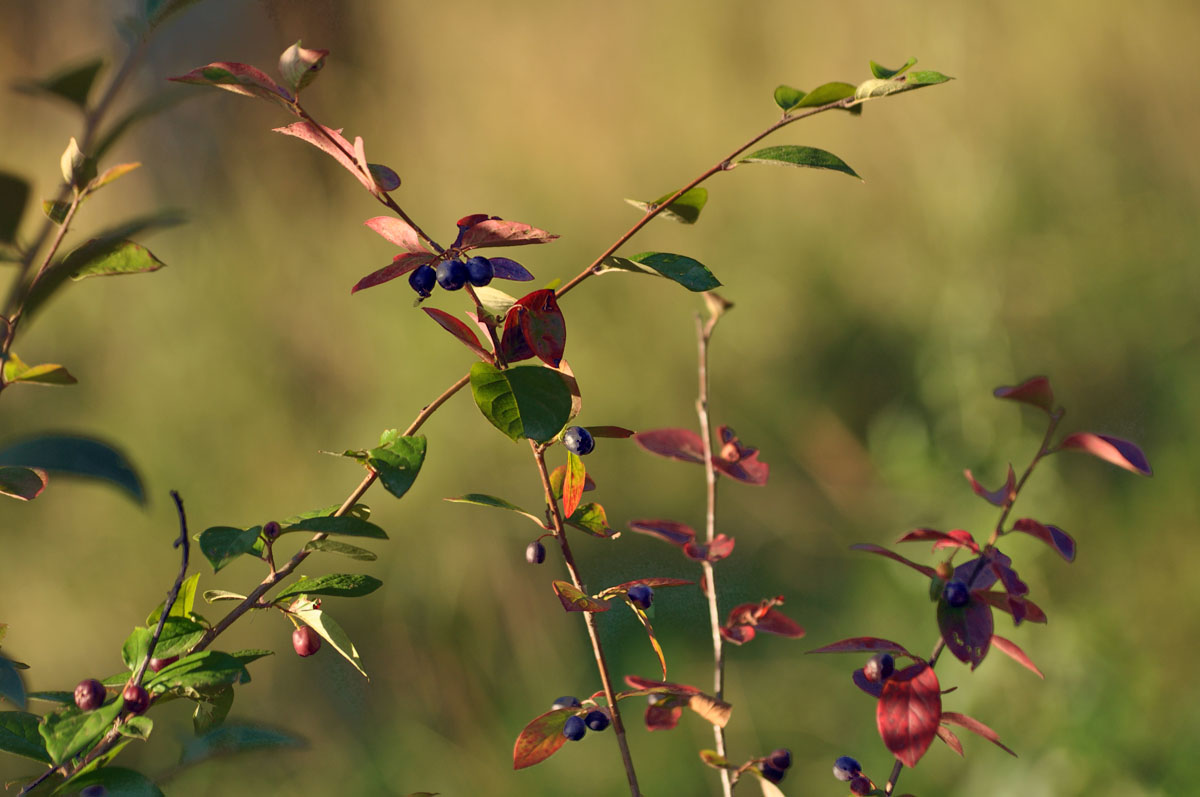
[(846, 768), (578, 440), (956, 594), (422, 280), (573, 728), (452, 274), (535, 552), (781, 759), (596, 720), (879, 667), (771, 773), (479, 271), (566, 701), (641, 596)]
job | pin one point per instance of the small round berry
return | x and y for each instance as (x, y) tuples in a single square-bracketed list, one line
[(573, 728), (771, 773), (306, 641), (945, 571), (535, 552), (479, 271), (89, 695), (781, 759), (566, 701), (860, 785), (271, 529), (578, 440), (95, 790), (879, 667), (846, 768), (422, 280), (158, 664), (641, 596), (956, 594), (452, 274), (596, 720), (137, 699)]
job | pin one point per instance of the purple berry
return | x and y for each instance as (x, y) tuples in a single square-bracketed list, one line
[(158, 664), (566, 701), (596, 720), (452, 274), (479, 271), (422, 280), (846, 768), (771, 773), (271, 529), (137, 699), (781, 759), (956, 594), (535, 552), (573, 728), (879, 667), (578, 440), (89, 695), (860, 785), (641, 596)]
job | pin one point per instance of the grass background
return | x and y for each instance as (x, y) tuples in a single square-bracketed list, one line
[(1037, 215)]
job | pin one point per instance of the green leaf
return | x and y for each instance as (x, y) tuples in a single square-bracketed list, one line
[(252, 654), (118, 782), (360, 511), (25, 484), (332, 633), (235, 739), (110, 174), (575, 601), (185, 601), (212, 710), (72, 84), (49, 374), (793, 155), (825, 94), (214, 595), (14, 195), (346, 526), (872, 89), (62, 698), (136, 647), (525, 401), (137, 728), (56, 211), (204, 670), (75, 456), (178, 636), (69, 730), (685, 210), (342, 585), (787, 97), (884, 73), (222, 544), (479, 499), (333, 546), (114, 257), (658, 651), (19, 736), (689, 273), (398, 462), (495, 302), (592, 519), (299, 66)]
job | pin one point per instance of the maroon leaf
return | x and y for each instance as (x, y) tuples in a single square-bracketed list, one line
[(239, 78), (967, 630), (401, 265), (681, 444), (504, 268), (975, 726), (459, 330), (24, 484), (909, 711), (761, 615), (573, 483), (1029, 610), (542, 324), (1053, 536), (872, 688), (575, 601), (1012, 650), (663, 687), (663, 716), (610, 431), (1001, 495), (1121, 453), (738, 634), (541, 738), (947, 736), (955, 538), (1035, 391), (556, 481), (864, 644), (399, 232), (1011, 582), (513, 345), (718, 549), (665, 530), (497, 232), (748, 469), (775, 622), (331, 142), (929, 572), (966, 572)]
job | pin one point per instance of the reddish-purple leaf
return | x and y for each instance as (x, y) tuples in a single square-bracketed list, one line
[(239, 78), (1011, 649), (556, 481), (541, 738), (681, 444), (573, 483), (665, 530), (718, 549), (663, 687), (1035, 391), (1028, 610), (1121, 453), (575, 601), (25, 484), (1001, 495), (497, 232), (775, 622), (864, 644), (504, 268), (542, 324), (332, 143), (955, 538), (1012, 583), (459, 330), (663, 716), (399, 232), (928, 572), (513, 344), (1053, 536), (872, 688), (610, 431), (947, 736), (384, 176), (748, 469), (985, 577), (909, 712), (738, 634), (967, 630), (975, 726), (400, 265)]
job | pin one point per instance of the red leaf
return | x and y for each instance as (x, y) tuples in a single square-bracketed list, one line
[(967, 631), (1035, 391), (665, 530), (681, 444), (556, 481), (975, 726), (573, 483), (1053, 536), (956, 538), (339, 151), (513, 344), (1011, 649), (718, 549), (947, 736), (610, 431), (929, 572), (747, 469), (738, 634), (775, 622), (239, 78), (1012, 583), (459, 330), (504, 268), (398, 232), (1004, 602), (400, 265), (872, 688), (1001, 495), (661, 717), (467, 222), (542, 324), (1121, 453), (575, 601), (909, 711), (541, 738), (863, 644), (664, 687), (497, 232)]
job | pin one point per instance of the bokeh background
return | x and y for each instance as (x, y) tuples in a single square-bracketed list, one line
[(1037, 215)]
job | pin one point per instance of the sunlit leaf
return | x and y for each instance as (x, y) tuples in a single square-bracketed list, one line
[(794, 155), (342, 585), (1121, 453), (685, 210), (689, 273), (479, 499), (525, 401)]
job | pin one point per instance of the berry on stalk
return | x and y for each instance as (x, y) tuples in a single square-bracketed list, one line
[(422, 280), (781, 759), (452, 274), (846, 768), (596, 720), (137, 699), (860, 785), (956, 594), (566, 701), (535, 552), (89, 695), (158, 664), (479, 271), (879, 667), (305, 641), (641, 596), (578, 440), (771, 773), (573, 728)]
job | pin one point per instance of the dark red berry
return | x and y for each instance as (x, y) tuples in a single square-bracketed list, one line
[(422, 280), (846, 768), (158, 664), (781, 759), (566, 701), (573, 728), (879, 667), (641, 596), (956, 594), (89, 695), (479, 271), (771, 773), (596, 720), (578, 440), (860, 785), (137, 699), (271, 530), (306, 641), (452, 274), (535, 552)]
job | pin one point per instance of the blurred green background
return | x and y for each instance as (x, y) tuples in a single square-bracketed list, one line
[(1037, 215)]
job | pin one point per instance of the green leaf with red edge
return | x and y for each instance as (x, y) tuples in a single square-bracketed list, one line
[(479, 499), (238, 78), (928, 572), (909, 711), (1013, 651), (575, 601), (1056, 538), (25, 484), (864, 644), (398, 232), (1002, 495), (592, 519), (573, 483), (1121, 453), (975, 726), (541, 738), (400, 265), (559, 474), (670, 531), (458, 329), (681, 444), (1035, 392), (498, 232), (611, 431), (654, 582), (542, 325), (966, 630)]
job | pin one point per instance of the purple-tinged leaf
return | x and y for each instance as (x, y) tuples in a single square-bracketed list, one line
[(985, 576), (646, 686), (928, 572), (738, 634), (947, 736), (666, 530), (1012, 583), (1028, 610), (504, 268), (1002, 495), (720, 548), (542, 325), (909, 712), (1035, 391), (498, 232), (761, 615), (872, 688), (748, 469), (1053, 536), (238, 78), (384, 176), (775, 622), (513, 345), (956, 538), (332, 143), (400, 265), (663, 716), (1016, 654), (1121, 453), (975, 726), (459, 330), (966, 630), (573, 483), (556, 481), (25, 484), (541, 738), (398, 232), (864, 644), (575, 601), (681, 444)]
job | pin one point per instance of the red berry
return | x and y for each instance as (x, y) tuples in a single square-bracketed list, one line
[(158, 664), (89, 695), (137, 699), (306, 641)]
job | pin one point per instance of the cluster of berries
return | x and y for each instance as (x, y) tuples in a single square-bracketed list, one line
[(775, 766), (452, 275), (846, 768), (576, 726), (90, 694)]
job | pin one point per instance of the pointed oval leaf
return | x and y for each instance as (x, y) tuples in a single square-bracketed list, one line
[(967, 630), (399, 232), (14, 195), (75, 456), (69, 730), (872, 89), (681, 444), (109, 258), (178, 636), (1056, 538), (1013, 651), (787, 97), (299, 66), (861, 644), (542, 325), (12, 685), (747, 470), (654, 581), (479, 499), (222, 544), (240, 79), (1035, 391), (19, 736), (72, 84), (498, 232), (505, 268), (235, 739), (345, 525), (975, 726), (573, 483), (1121, 453), (45, 374), (332, 143), (333, 546), (541, 738), (575, 601), (947, 736), (526, 401), (689, 273), (794, 155), (25, 484), (560, 473), (592, 519), (1001, 495), (825, 94), (331, 632), (214, 595), (883, 73), (927, 571), (1029, 611), (909, 712), (666, 530), (340, 585), (685, 209), (956, 538), (658, 651), (400, 265), (112, 173), (776, 622)]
